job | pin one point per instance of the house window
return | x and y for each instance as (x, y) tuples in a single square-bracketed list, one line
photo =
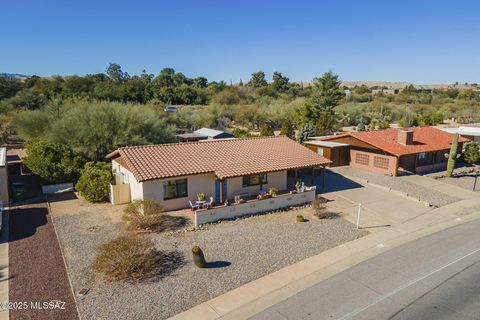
[(254, 179), (175, 189), (320, 151), (422, 155)]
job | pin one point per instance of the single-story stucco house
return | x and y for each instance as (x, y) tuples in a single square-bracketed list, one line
[(173, 174), (417, 149)]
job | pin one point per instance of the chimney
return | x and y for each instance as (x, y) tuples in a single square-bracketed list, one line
[(405, 137)]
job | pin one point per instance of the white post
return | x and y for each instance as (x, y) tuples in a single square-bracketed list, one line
[(358, 215)]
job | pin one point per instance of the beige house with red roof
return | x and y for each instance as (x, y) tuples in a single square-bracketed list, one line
[(173, 174), (418, 149)]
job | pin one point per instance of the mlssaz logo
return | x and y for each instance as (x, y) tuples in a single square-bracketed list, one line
[(47, 305)]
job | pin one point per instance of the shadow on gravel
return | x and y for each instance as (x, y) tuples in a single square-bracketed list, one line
[(24, 222), (217, 264), (171, 223), (167, 263)]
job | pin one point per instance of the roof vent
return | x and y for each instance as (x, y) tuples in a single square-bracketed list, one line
[(405, 137)]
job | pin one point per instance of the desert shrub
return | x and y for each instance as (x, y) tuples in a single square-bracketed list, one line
[(319, 208), (300, 218), (133, 259), (241, 133), (472, 153), (148, 215), (94, 181), (52, 162)]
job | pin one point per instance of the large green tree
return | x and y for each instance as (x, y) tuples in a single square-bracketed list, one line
[(279, 82), (326, 94), (53, 162), (258, 80)]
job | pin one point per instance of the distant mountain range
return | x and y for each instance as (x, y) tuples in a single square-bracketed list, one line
[(13, 76)]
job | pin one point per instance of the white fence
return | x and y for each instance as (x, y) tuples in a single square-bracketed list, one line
[(253, 207)]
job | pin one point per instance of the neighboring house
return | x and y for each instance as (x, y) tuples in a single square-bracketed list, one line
[(173, 174), (204, 134), (470, 131), (338, 153), (385, 91), (3, 177), (419, 149)]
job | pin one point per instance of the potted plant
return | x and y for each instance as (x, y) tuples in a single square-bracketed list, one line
[(273, 192), (262, 194), (201, 196)]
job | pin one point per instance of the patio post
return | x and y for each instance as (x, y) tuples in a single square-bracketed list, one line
[(312, 177), (221, 190), (323, 178)]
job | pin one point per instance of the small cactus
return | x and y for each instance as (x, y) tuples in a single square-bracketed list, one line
[(198, 257), (452, 156), (300, 218)]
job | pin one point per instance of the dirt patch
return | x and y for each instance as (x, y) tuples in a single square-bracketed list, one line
[(37, 270)]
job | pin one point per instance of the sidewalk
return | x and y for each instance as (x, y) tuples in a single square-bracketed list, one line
[(262, 293)]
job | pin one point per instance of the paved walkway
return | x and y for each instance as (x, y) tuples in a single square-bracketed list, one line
[(406, 226)]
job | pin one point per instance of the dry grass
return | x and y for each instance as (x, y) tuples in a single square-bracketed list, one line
[(134, 259)]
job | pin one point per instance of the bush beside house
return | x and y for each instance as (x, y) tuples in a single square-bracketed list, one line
[(52, 162), (94, 181)]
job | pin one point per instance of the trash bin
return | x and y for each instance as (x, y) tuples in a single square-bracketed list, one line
[(18, 191)]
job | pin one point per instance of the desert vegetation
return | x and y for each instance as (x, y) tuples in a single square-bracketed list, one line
[(86, 117)]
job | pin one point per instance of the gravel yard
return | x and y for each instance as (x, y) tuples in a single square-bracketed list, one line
[(238, 252), (433, 197), (463, 178)]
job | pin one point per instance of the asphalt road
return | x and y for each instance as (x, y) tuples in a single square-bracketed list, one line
[(436, 277)]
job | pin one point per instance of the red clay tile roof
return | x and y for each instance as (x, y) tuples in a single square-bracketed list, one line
[(226, 158), (425, 139)]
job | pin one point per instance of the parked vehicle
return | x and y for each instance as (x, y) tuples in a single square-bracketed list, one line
[(170, 109)]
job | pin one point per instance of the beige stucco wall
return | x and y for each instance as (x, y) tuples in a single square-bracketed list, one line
[(4, 186), (275, 179), (136, 188), (195, 184)]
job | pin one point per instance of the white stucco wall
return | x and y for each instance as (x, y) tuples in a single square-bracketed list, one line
[(195, 184), (275, 179), (136, 188), (253, 207)]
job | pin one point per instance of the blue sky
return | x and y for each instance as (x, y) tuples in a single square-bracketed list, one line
[(418, 41)]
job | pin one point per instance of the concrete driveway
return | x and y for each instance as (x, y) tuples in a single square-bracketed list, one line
[(380, 207)]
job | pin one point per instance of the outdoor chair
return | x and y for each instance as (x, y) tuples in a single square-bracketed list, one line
[(208, 204), (193, 206)]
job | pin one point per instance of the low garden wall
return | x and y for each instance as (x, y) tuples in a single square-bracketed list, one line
[(57, 188), (203, 216)]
